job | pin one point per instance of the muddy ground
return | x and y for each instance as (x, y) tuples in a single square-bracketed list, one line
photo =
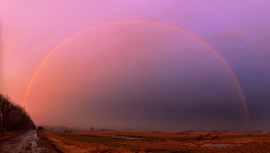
[(29, 142)]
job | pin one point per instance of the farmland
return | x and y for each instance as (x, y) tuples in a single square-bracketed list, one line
[(77, 141)]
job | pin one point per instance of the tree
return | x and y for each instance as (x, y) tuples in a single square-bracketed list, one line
[(13, 117)]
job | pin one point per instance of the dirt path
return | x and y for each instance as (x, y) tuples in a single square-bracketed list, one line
[(25, 143)]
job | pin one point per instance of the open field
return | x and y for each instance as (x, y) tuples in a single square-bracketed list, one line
[(160, 142)]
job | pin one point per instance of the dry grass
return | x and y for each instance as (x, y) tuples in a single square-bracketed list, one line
[(160, 142)]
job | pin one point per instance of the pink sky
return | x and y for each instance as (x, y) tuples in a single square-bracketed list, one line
[(237, 30)]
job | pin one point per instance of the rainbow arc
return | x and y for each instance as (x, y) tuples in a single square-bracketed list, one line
[(178, 28)]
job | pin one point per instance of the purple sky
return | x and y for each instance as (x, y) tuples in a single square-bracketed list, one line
[(138, 75)]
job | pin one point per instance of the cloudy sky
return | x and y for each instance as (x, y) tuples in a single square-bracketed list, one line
[(144, 64)]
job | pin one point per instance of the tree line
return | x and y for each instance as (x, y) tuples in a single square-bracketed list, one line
[(13, 117)]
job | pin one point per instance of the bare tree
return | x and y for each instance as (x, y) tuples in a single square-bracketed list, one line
[(13, 117)]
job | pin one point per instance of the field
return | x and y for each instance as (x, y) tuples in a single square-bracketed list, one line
[(159, 142)]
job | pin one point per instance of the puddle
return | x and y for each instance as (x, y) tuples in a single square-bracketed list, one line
[(24, 143), (128, 138), (218, 144)]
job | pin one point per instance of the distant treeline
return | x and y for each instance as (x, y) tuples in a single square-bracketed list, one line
[(13, 117)]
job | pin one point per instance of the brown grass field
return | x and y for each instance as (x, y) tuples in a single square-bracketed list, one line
[(98, 141)]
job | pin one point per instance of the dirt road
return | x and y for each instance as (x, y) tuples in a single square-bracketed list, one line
[(25, 143)]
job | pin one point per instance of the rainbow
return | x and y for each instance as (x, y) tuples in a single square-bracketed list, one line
[(178, 28), (232, 24)]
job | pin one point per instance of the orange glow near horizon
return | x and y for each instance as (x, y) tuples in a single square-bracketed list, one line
[(177, 28)]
